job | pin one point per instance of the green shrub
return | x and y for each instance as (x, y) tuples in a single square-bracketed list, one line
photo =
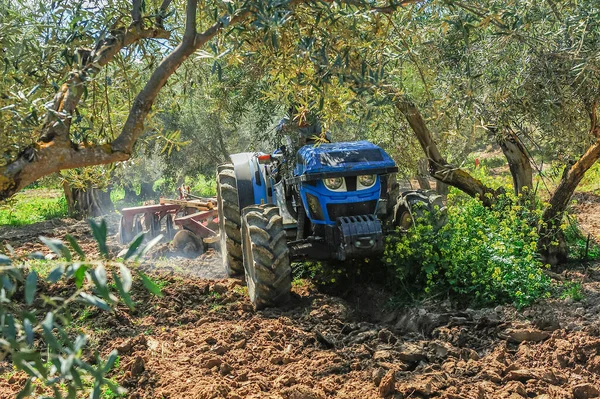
[(165, 187), (483, 256), (117, 194)]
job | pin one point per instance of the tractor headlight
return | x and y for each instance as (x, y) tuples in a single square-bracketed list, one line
[(334, 183), (366, 181)]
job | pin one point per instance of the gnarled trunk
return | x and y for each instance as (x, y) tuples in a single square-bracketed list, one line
[(147, 191), (551, 244), (88, 202), (92, 202), (130, 194), (518, 159), (442, 189), (439, 168), (69, 197)]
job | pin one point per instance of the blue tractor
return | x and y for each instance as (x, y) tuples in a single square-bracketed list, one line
[(332, 202)]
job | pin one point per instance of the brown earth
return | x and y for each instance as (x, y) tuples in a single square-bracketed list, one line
[(203, 339), (587, 210)]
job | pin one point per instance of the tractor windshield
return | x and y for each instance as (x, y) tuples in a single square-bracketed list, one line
[(343, 157), (336, 158)]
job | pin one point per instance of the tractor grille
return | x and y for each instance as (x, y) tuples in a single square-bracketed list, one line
[(351, 209)]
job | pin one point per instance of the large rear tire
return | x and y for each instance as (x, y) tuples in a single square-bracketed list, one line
[(229, 220), (414, 204), (266, 256)]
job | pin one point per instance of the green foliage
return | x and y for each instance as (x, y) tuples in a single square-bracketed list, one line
[(483, 174), (573, 290), (32, 206), (322, 273), (581, 247), (483, 256), (591, 180), (55, 362), (203, 186)]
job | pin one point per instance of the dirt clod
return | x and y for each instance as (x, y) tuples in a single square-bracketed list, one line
[(527, 334), (301, 392), (212, 362), (225, 369), (219, 288), (137, 367), (585, 391), (521, 375), (387, 384), (410, 352), (220, 349), (378, 375)]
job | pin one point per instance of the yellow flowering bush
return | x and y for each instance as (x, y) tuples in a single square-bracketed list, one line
[(481, 256)]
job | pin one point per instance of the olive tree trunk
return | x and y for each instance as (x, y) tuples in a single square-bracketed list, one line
[(92, 202), (551, 243), (518, 159), (88, 202)]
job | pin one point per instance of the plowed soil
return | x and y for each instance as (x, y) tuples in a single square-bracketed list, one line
[(203, 339), (588, 213)]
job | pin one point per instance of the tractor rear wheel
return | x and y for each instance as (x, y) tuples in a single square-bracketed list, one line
[(266, 256), (414, 204), (229, 220)]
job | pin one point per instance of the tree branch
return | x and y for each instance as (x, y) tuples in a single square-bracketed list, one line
[(389, 9), (190, 20), (162, 12), (136, 12), (37, 160), (594, 128), (439, 168)]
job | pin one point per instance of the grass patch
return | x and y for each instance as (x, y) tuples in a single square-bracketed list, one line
[(33, 206), (43, 267), (591, 180), (572, 290)]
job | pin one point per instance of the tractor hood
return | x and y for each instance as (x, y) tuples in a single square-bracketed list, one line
[(342, 159)]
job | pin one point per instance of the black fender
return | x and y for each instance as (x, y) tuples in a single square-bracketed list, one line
[(243, 176)]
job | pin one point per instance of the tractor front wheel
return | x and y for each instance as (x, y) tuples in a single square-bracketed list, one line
[(266, 256), (229, 220), (414, 204)]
